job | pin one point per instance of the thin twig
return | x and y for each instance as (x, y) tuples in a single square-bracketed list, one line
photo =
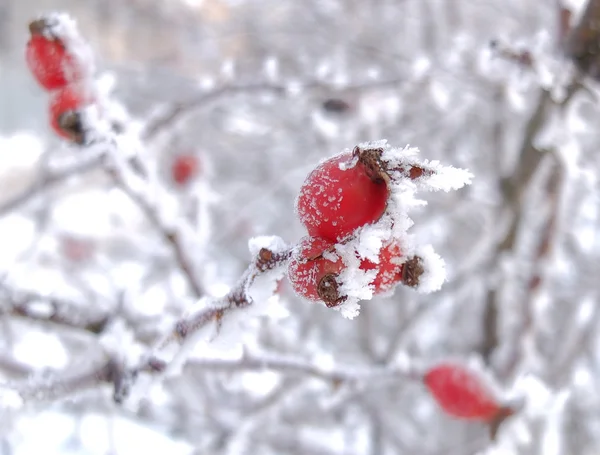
[(47, 180), (40, 308), (178, 110), (237, 298), (293, 365), (170, 235)]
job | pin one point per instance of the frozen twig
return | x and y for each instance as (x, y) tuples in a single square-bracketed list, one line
[(583, 46), (57, 387), (513, 189), (178, 110), (171, 236), (40, 308), (297, 366), (49, 179), (237, 298), (12, 367)]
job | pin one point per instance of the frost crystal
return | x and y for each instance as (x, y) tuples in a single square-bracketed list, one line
[(272, 243)]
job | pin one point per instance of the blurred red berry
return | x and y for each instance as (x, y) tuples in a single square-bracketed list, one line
[(333, 202), (65, 109), (462, 393), (184, 168), (313, 271), (389, 269), (77, 249), (51, 64)]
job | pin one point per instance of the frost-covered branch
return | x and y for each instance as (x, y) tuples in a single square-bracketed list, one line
[(513, 189), (238, 298), (335, 374), (583, 43), (13, 368), (40, 308), (59, 387), (175, 112), (170, 234), (49, 179)]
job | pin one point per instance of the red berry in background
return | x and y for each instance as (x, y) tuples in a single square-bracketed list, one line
[(462, 393), (333, 202), (48, 60), (389, 269), (76, 249), (313, 271), (65, 111), (184, 168)]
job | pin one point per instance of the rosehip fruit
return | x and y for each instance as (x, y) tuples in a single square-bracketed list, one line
[(313, 271), (462, 393), (184, 168), (65, 109), (340, 196), (389, 269), (49, 61), (77, 250)]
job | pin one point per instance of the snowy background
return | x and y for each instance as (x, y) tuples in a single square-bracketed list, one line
[(260, 91)]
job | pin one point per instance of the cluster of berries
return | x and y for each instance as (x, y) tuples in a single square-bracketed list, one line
[(63, 67), (354, 206), (62, 64)]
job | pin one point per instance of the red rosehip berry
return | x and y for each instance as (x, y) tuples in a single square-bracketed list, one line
[(462, 393), (333, 202), (77, 250), (65, 109), (389, 269), (313, 271), (49, 61), (184, 168)]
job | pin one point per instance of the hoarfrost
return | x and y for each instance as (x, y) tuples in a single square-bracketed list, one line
[(272, 243), (10, 399), (62, 26)]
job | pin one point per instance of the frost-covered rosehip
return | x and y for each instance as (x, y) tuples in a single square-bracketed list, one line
[(462, 393), (184, 168), (48, 59), (389, 269), (313, 271), (65, 110), (339, 196)]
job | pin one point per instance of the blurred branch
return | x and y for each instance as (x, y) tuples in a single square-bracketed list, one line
[(56, 388), (48, 179), (583, 44), (171, 236), (564, 15), (12, 367), (40, 308), (293, 365), (178, 110), (547, 238), (581, 335), (513, 189)]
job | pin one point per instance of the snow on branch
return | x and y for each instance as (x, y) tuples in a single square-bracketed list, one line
[(40, 308)]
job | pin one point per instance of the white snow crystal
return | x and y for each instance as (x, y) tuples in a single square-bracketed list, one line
[(434, 270), (272, 243)]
